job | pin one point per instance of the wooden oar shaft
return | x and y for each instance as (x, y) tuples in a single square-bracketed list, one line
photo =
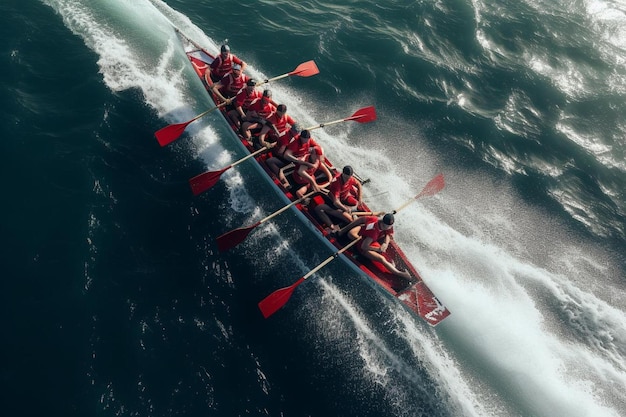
[(279, 77), (207, 112), (367, 213), (288, 206), (326, 124), (253, 154), (367, 112), (406, 203), (331, 258), (433, 187), (334, 122)]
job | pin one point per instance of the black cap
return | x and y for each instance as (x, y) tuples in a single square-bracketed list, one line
[(225, 48), (251, 82), (388, 219), (305, 134), (281, 108), (267, 93), (347, 170)]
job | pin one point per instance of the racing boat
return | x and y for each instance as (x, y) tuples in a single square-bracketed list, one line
[(412, 293)]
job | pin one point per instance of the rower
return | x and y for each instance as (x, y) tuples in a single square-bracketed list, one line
[(242, 102), (295, 152), (373, 229), (223, 64), (306, 172), (258, 113), (278, 125), (230, 84), (346, 195)]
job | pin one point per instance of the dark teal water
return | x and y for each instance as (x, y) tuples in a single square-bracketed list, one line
[(116, 301)]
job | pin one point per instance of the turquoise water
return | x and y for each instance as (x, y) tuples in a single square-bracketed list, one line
[(118, 303)]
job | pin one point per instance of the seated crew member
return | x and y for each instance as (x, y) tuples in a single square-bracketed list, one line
[(346, 194), (241, 102), (284, 140), (294, 150), (223, 64), (230, 84), (306, 169), (372, 229), (258, 113), (279, 123)]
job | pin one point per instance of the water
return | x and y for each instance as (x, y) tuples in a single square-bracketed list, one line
[(118, 303)]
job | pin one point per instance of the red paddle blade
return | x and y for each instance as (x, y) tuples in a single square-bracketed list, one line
[(231, 239), (364, 115), (201, 183), (274, 302), (306, 69), (433, 187), (170, 133)]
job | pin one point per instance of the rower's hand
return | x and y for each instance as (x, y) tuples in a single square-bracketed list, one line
[(228, 101), (383, 248)]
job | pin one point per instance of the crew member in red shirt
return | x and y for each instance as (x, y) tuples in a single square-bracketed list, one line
[(242, 101), (223, 64), (297, 152), (307, 166), (230, 84), (258, 113), (345, 193), (284, 140), (278, 125), (372, 230)]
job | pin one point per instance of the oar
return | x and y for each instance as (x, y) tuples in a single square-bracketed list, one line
[(170, 133), (273, 302), (364, 115), (306, 69), (231, 239), (202, 182), (431, 188)]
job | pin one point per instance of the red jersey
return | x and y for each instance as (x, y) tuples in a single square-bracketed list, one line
[(281, 122), (245, 98), (263, 108), (282, 142), (286, 139), (231, 84), (372, 230), (299, 150), (345, 191), (221, 66)]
